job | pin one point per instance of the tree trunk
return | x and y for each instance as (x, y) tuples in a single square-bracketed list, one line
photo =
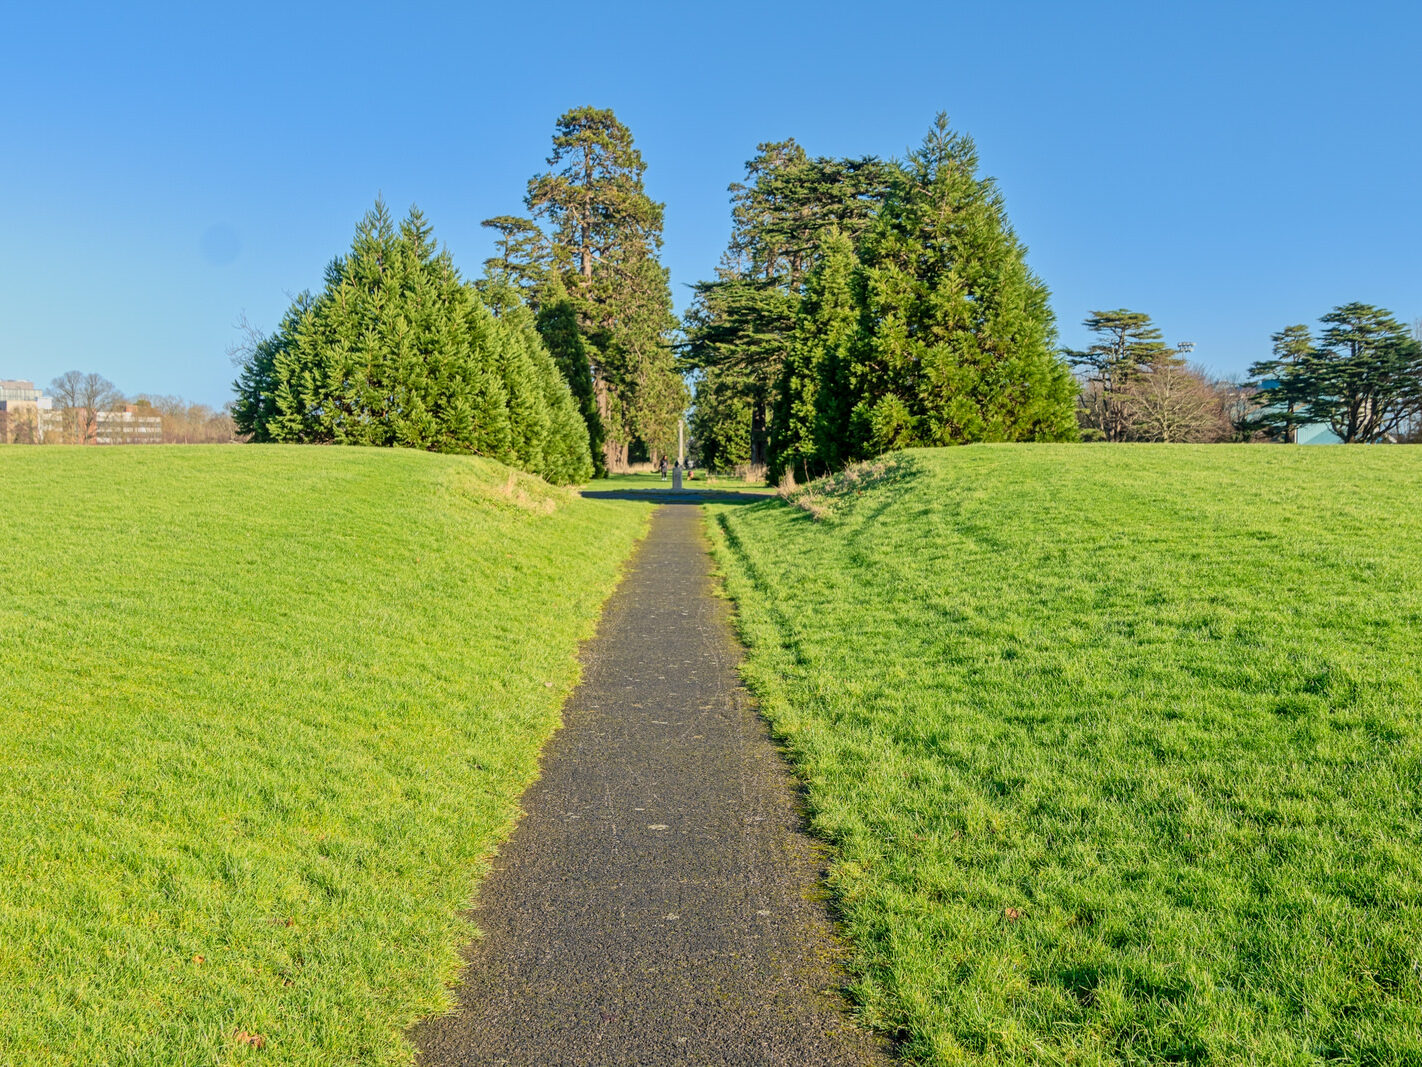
[(609, 446), (757, 434)]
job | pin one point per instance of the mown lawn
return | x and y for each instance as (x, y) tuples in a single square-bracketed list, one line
[(1119, 748), (263, 713)]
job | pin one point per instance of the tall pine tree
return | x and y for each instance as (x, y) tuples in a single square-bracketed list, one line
[(607, 234)]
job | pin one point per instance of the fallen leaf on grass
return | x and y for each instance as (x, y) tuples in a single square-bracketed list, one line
[(199, 959), (1012, 914), (244, 1038)]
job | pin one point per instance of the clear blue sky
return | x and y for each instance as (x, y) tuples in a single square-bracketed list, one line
[(1229, 168)]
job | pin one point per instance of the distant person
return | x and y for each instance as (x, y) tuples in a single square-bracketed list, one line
[(690, 470), (664, 468)]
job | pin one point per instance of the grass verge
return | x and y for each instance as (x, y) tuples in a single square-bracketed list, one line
[(1119, 748), (265, 712)]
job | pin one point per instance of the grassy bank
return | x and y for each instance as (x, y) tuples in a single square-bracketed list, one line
[(265, 711), (1120, 747)]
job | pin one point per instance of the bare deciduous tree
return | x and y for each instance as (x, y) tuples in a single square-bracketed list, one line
[(82, 396), (20, 425), (188, 424), (1174, 402)]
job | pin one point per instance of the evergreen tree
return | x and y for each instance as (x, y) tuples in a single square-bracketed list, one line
[(870, 306), (1282, 390), (398, 350), (781, 214), (1129, 344), (811, 417), (721, 420), (962, 346), (522, 255), (605, 243), (741, 327), (1365, 377), (254, 407), (557, 321)]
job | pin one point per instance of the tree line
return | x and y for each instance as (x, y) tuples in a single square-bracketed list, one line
[(397, 349), (863, 306), (557, 360), (85, 402), (1361, 377)]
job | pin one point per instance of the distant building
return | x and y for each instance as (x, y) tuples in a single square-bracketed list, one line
[(29, 417), (126, 427), (1317, 433), (1312, 433), (25, 413)]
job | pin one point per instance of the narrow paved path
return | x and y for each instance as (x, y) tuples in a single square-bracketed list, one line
[(657, 903)]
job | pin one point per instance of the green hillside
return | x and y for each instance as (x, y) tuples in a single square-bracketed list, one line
[(265, 711), (1120, 748)]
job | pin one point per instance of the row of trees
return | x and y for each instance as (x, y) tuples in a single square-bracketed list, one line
[(1361, 377), (397, 349), (84, 406), (864, 306), (861, 306), (186, 423), (557, 360)]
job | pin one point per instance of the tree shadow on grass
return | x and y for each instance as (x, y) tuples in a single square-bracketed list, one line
[(684, 496)]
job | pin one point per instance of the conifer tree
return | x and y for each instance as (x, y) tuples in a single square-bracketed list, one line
[(557, 321), (811, 418), (1129, 344), (743, 320), (721, 420), (1365, 377), (522, 254), (963, 343), (398, 350), (607, 234), (1281, 388)]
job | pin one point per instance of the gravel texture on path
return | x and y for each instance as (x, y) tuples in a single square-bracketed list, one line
[(658, 903)]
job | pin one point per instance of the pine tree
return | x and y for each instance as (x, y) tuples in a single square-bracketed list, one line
[(605, 242), (1129, 344), (1365, 376), (522, 256), (741, 328), (1282, 390), (744, 319)]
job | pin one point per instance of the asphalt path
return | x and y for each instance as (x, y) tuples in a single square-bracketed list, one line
[(658, 901)]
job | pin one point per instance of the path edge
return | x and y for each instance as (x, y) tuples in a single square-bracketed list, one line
[(756, 629)]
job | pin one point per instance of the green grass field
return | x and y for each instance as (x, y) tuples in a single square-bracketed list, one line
[(264, 713), (1119, 747)]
